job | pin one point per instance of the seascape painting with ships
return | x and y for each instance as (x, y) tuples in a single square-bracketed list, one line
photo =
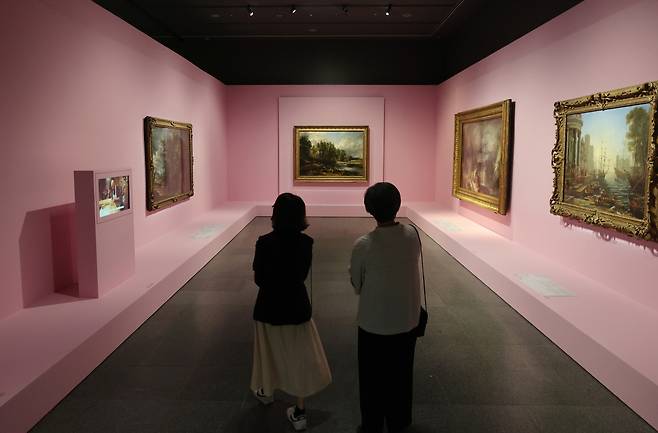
[(606, 159)]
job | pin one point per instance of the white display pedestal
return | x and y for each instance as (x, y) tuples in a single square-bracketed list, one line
[(105, 230)]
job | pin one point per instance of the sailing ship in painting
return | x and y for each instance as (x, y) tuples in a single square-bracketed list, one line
[(594, 141)]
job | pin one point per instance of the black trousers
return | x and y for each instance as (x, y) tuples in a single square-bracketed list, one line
[(386, 365)]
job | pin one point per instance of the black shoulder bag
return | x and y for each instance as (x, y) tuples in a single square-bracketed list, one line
[(419, 330)]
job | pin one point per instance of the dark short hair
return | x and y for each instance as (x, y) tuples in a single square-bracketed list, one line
[(289, 213), (382, 201)]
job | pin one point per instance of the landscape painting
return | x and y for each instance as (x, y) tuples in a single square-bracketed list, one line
[(480, 170), (606, 165), (331, 154), (168, 162), (604, 160)]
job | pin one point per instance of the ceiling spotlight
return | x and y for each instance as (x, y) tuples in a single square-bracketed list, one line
[(293, 10), (388, 10), (251, 11), (345, 10)]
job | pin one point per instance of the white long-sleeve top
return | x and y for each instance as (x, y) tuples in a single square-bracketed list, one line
[(385, 272)]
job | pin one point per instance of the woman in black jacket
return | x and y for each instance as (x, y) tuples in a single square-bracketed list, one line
[(288, 352)]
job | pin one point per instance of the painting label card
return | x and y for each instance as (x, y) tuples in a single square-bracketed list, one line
[(544, 286), (208, 231), (447, 225)]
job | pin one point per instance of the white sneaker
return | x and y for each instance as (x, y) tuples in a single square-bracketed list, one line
[(298, 422), (264, 399)]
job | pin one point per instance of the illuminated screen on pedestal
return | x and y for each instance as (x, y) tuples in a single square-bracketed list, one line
[(113, 195)]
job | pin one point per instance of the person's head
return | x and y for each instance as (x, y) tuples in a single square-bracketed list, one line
[(289, 213), (382, 201)]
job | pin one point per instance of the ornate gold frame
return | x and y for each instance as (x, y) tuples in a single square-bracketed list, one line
[(497, 204), (644, 228), (330, 179), (149, 124)]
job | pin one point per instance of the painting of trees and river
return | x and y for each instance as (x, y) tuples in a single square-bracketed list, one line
[(331, 154), (606, 159)]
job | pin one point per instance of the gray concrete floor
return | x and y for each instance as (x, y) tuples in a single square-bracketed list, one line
[(480, 368)]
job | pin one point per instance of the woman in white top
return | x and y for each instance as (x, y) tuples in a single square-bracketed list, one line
[(385, 273)]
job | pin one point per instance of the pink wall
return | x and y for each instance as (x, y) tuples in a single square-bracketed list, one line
[(409, 137), (596, 46), (76, 84)]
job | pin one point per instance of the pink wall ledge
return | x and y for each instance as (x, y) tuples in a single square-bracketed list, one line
[(596, 46), (77, 82), (408, 137)]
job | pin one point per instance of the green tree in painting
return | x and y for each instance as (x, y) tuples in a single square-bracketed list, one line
[(637, 134), (304, 149), (327, 154)]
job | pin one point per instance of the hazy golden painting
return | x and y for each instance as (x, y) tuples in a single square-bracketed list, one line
[(481, 152), (326, 154), (481, 160), (606, 159)]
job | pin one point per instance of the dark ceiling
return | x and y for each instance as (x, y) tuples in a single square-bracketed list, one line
[(334, 42)]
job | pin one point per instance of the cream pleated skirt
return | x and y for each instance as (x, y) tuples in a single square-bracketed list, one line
[(290, 358)]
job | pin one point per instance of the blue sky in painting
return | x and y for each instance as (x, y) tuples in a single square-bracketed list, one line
[(607, 130)]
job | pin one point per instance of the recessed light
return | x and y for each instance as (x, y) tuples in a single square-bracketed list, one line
[(407, 15), (215, 15), (312, 30), (279, 15)]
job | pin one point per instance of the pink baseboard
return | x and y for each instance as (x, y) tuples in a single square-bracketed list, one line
[(47, 350), (613, 337)]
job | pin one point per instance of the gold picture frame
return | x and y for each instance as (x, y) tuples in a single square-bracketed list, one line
[(169, 161), (482, 156), (335, 154), (604, 160)]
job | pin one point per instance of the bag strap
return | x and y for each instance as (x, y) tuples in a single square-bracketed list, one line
[(422, 265)]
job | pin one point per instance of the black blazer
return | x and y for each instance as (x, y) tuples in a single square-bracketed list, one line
[(281, 265)]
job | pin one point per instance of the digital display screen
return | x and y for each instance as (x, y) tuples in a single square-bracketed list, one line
[(113, 195)]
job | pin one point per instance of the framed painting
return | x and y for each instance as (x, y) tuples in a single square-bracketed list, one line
[(482, 156), (604, 160), (168, 162), (331, 153)]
